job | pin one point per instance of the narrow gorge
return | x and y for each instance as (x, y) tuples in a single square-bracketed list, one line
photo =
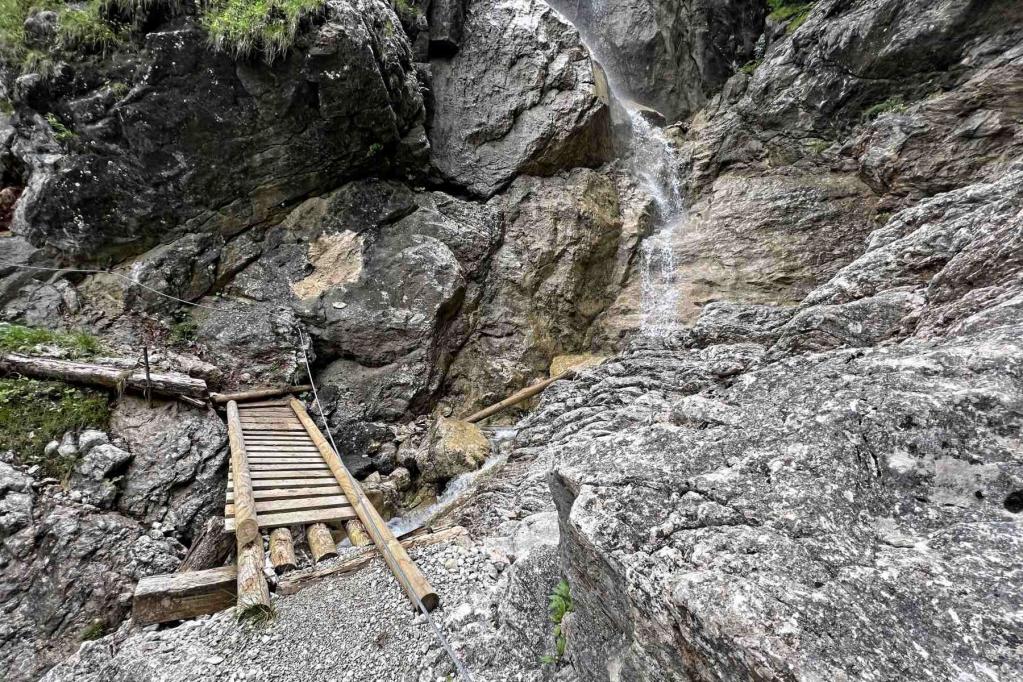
[(770, 250)]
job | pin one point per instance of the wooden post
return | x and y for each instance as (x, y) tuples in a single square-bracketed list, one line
[(209, 549), (252, 587), (321, 542), (404, 569), (176, 596), (515, 398), (149, 383), (282, 550), (257, 393), (246, 525), (357, 533)]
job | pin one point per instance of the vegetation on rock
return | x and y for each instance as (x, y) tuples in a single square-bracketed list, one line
[(560, 606), (242, 27), (794, 12), (33, 413)]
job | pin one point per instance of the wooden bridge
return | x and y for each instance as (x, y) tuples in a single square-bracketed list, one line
[(283, 474)]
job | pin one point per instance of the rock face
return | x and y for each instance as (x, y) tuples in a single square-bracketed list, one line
[(520, 96), (670, 56), (193, 143), (733, 510)]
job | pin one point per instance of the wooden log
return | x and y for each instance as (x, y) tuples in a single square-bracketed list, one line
[(253, 592), (321, 542), (210, 549), (282, 550), (245, 523), (516, 398), (411, 579), (357, 533), (101, 375), (299, 581), (258, 394), (176, 596)]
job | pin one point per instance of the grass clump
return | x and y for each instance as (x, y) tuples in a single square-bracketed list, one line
[(242, 27), (15, 338), (560, 606), (258, 615), (85, 29), (93, 630), (33, 413), (794, 12), (892, 105), (183, 333), (60, 131), (749, 67)]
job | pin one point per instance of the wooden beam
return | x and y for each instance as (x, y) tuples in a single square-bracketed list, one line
[(102, 375), (515, 398), (411, 579), (258, 394), (176, 596), (332, 514), (321, 542), (282, 550), (246, 528), (210, 549), (302, 579), (253, 591)]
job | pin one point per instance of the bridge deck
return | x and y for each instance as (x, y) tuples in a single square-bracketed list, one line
[(291, 483)]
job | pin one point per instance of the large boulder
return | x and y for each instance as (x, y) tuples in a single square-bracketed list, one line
[(452, 447), (520, 96)]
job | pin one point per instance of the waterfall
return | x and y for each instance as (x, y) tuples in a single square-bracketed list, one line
[(654, 163)]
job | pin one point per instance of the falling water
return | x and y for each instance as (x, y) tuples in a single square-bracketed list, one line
[(654, 161)]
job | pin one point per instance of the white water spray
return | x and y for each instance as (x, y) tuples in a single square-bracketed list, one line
[(654, 161)]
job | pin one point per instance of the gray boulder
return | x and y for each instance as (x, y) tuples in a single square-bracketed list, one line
[(94, 471), (543, 113)]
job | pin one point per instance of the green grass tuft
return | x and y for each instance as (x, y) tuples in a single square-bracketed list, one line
[(793, 11), (16, 338), (85, 29), (93, 630), (258, 615), (183, 333), (32, 413), (60, 131), (749, 67), (243, 27), (892, 105)]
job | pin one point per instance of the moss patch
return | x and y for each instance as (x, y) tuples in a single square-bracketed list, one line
[(243, 27), (14, 338), (793, 11), (32, 413), (892, 105)]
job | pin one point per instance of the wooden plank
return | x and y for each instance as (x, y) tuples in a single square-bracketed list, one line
[(176, 596), (271, 429), (405, 571), (265, 403), (339, 502), (282, 519), (263, 484), (268, 506), (283, 475), (291, 467), (284, 459), (253, 592), (287, 493)]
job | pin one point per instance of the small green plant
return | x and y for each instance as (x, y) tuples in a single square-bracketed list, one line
[(60, 131), (560, 605), (18, 339), (892, 105), (183, 333), (93, 630), (749, 67), (818, 146), (119, 89), (33, 413), (242, 27)]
